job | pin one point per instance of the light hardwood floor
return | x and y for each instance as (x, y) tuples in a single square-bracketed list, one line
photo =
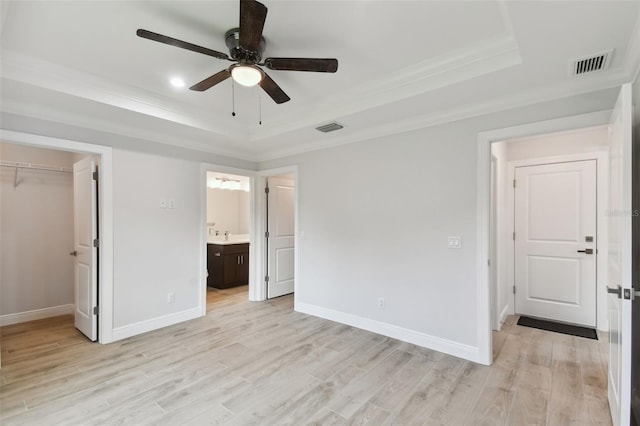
[(262, 363)]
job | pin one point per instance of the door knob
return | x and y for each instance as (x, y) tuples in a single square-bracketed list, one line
[(586, 251), (74, 253), (617, 291)]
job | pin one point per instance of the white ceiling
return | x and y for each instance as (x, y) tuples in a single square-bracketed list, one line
[(402, 64)]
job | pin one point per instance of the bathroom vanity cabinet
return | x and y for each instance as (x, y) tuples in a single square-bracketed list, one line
[(228, 265)]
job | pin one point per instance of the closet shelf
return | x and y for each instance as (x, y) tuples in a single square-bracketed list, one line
[(32, 166)]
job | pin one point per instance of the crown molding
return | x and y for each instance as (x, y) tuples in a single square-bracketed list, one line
[(482, 58), (36, 72), (521, 99)]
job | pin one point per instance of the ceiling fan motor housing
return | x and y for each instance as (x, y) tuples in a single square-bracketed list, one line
[(238, 53)]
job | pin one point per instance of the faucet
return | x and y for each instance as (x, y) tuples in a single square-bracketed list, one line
[(217, 232), (226, 235)]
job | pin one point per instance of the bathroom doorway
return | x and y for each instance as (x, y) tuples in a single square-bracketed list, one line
[(228, 234)]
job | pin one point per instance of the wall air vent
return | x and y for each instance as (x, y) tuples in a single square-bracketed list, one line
[(592, 63), (331, 127)]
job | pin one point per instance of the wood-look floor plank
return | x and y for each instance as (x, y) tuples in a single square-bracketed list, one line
[(529, 407), (263, 363), (368, 414), (399, 389), (355, 394), (326, 417)]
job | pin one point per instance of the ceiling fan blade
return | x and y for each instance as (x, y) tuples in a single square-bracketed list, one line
[(273, 90), (252, 17), (302, 64), (209, 82), (179, 43)]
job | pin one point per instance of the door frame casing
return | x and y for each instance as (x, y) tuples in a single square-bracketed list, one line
[(483, 190), (105, 214), (602, 194)]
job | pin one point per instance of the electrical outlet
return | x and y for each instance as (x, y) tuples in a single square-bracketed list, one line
[(171, 297), (171, 203), (381, 302), (163, 203)]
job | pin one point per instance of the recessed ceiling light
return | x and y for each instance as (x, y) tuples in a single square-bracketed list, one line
[(177, 82)]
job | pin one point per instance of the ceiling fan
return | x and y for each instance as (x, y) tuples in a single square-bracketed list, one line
[(246, 45)]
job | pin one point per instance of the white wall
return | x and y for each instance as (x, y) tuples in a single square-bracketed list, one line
[(575, 142), (376, 225), (229, 210), (156, 251), (244, 212), (36, 224)]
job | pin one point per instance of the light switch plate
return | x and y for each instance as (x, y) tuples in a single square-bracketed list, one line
[(454, 242)]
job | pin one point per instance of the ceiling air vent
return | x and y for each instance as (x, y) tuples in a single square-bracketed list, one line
[(592, 63), (331, 127)]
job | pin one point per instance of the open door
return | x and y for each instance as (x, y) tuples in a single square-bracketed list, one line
[(620, 258), (85, 248), (281, 236)]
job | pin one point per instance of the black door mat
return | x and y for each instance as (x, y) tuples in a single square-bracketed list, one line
[(573, 330)]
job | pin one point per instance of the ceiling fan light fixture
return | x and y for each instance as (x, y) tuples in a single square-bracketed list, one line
[(177, 82), (246, 75)]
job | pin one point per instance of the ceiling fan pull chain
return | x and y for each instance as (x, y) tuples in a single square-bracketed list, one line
[(233, 98), (260, 108)]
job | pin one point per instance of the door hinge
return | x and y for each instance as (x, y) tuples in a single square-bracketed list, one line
[(266, 234), (266, 190), (488, 262), (96, 242), (95, 175), (266, 278), (95, 310), (514, 236), (514, 289), (514, 183)]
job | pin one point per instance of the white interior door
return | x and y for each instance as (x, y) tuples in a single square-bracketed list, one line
[(555, 241), (620, 260), (85, 232), (281, 228)]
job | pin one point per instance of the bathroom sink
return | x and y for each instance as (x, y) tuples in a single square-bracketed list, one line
[(233, 239)]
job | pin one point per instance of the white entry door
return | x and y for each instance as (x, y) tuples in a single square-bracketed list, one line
[(85, 232), (620, 258), (281, 228), (555, 241)]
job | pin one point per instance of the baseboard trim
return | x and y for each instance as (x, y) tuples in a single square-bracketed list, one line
[(36, 314), (503, 316), (406, 335), (130, 330)]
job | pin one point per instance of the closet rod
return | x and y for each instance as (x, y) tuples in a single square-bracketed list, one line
[(31, 166)]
